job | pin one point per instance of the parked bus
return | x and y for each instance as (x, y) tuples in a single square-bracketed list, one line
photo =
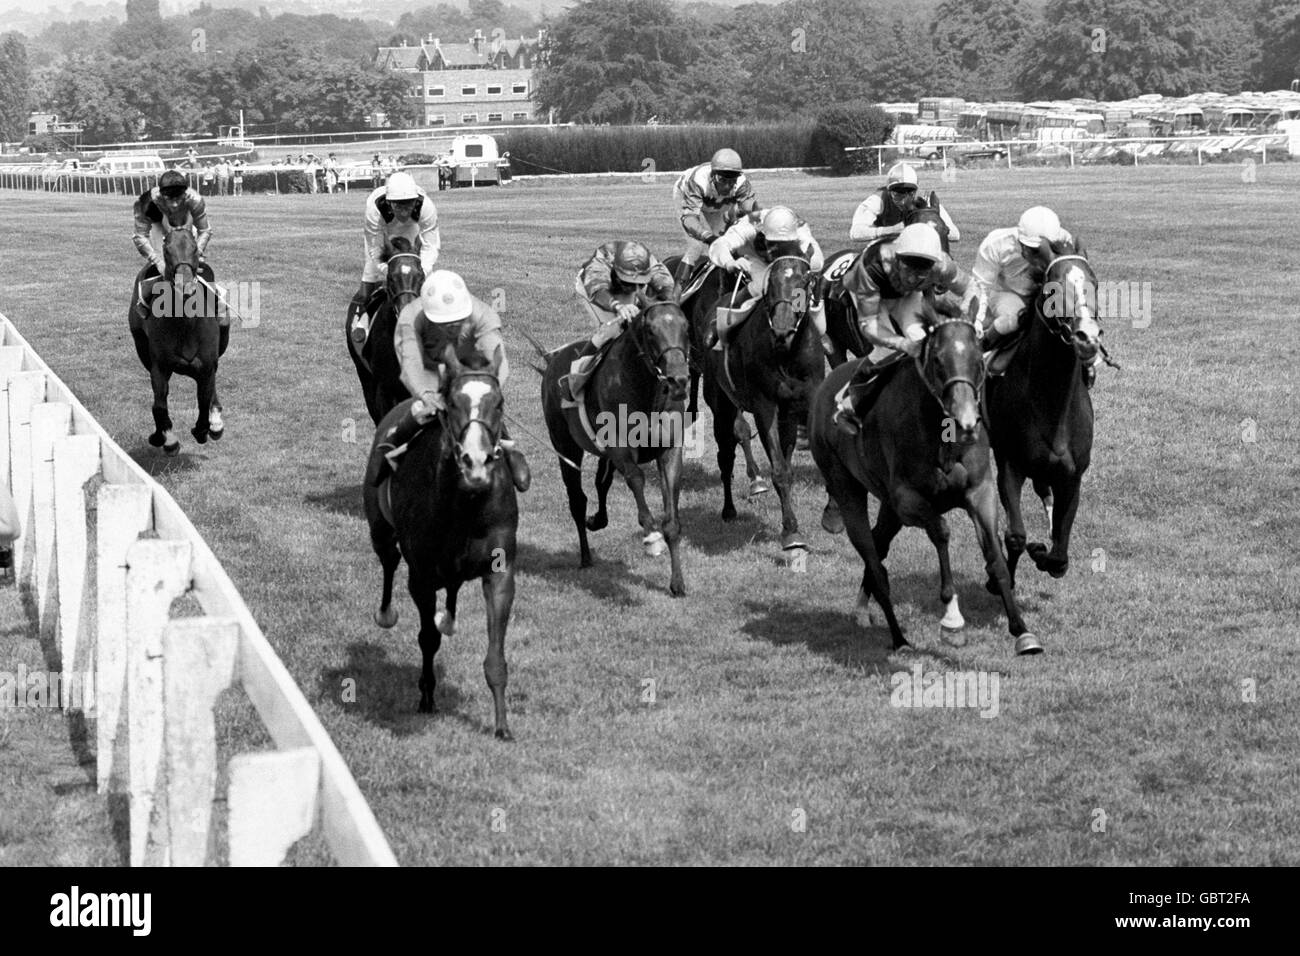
[(971, 123), (940, 110), (1181, 121), (1002, 120), (903, 114)]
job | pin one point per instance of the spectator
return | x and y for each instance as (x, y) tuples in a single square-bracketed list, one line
[(310, 171), (223, 177), (377, 171), (332, 173), (237, 177), (209, 179)]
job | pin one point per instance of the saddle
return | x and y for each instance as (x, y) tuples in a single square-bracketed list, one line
[(865, 391), (696, 281), (580, 372), (997, 360)]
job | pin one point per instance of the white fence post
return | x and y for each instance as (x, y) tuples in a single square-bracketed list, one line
[(124, 512), (198, 664), (272, 804), (26, 391), (76, 460), (157, 573), (50, 422)]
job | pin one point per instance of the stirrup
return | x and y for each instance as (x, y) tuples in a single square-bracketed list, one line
[(847, 421)]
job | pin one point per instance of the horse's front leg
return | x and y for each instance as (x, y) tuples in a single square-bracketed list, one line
[(162, 436), (952, 624), (757, 486), (1065, 504), (983, 511), (216, 424), (670, 480), (499, 596), (604, 478), (1011, 482), (207, 390), (778, 443), (625, 461)]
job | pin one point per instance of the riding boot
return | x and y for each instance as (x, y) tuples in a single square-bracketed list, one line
[(682, 276), (589, 349), (395, 440), (520, 473), (847, 418), (1089, 376)]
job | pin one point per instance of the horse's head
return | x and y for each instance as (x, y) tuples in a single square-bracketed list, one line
[(1067, 301), (927, 211), (181, 257), (472, 420), (788, 293), (662, 335), (405, 271), (952, 367)]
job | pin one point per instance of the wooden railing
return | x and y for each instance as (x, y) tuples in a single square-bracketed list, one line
[(103, 592)]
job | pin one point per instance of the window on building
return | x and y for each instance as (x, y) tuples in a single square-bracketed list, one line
[(469, 117), (494, 117), (494, 91), (520, 87), (469, 91), (437, 91), (417, 91), (520, 116), (437, 119)]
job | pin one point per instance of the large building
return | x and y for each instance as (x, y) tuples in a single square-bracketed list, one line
[(467, 84)]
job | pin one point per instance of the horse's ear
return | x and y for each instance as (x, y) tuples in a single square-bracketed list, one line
[(1079, 250), (498, 357), (386, 253), (933, 201)]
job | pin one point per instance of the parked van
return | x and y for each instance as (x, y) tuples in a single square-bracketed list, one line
[(131, 164), (473, 160), (925, 142)]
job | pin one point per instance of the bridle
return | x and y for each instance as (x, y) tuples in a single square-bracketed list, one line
[(653, 362), (456, 439), (1062, 326), (807, 297), (398, 255), (977, 384)]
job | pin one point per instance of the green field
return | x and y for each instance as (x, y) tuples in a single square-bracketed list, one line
[(768, 698)]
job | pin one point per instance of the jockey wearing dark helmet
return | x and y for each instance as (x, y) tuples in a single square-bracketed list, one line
[(711, 196), (171, 204), (883, 213)]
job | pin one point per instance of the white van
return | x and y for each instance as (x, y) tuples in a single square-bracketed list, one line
[(921, 141), (131, 164), (473, 160)]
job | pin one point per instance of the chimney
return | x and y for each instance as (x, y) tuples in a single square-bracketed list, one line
[(477, 39)]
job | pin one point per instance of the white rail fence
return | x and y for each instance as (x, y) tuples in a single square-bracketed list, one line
[(103, 591)]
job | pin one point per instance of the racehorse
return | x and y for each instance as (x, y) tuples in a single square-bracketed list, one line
[(640, 387), (184, 339), (922, 451), (770, 366), (1040, 411), (377, 364), (699, 309), (450, 510), (841, 321)]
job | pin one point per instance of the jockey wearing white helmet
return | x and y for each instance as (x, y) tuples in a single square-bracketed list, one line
[(882, 213), (446, 313), (751, 245), (890, 285), (1009, 269), (711, 196), (398, 208)]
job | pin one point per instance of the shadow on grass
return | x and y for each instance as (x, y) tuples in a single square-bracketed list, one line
[(344, 500), (157, 465), (703, 526), (388, 687), (829, 632), (605, 580)]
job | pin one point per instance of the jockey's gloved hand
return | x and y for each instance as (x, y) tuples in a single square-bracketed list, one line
[(433, 404), (626, 312)]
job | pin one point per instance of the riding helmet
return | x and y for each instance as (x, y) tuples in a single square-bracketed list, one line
[(1038, 223), (901, 173), (172, 184), (632, 263), (445, 298), (920, 241), (401, 186), (780, 224)]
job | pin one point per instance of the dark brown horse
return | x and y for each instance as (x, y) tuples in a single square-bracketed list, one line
[(1040, 412), (377, 364), (770, 367), (922, 451), (451, 513), (183, 312), (841, 320), (635, 404)]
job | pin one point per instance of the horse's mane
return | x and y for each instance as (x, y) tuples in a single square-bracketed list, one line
[(475, 361)]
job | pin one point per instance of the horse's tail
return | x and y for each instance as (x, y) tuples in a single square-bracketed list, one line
[(541, 354)]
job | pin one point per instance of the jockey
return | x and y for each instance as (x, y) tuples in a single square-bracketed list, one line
[(618, 268), (712, 196), (890, 285), (169, 205), (882, 213), (398, 208), (444, 314), (749, 248)]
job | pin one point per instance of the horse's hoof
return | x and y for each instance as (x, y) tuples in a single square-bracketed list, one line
[(953, 636), (216, 424), (427, 707), (1026, 643), (199, 436), (677, 589), (793, 542), (759, 486), (386, 618), (832, 521), (445, 623), (157, 439), (172, 450), (654, 544), (503, 733), (862, 617), (216, 433), (597, 522), (729, 513)]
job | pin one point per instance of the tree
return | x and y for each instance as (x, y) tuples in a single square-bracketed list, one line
[(907, 70), (1114, 49), (1279, 30), (15, 87), (977, 45), (613, 61)]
